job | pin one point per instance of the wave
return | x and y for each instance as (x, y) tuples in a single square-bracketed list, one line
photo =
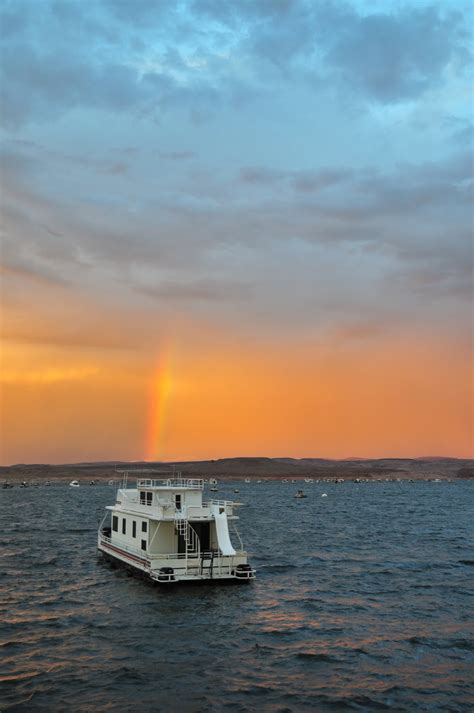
[(309, 656), (462, 644)]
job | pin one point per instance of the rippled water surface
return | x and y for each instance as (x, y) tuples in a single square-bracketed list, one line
[(362, 603)]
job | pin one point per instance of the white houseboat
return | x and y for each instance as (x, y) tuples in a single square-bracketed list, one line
[(163, 530)]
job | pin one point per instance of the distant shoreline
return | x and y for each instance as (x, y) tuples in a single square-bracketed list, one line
[(376, 470)]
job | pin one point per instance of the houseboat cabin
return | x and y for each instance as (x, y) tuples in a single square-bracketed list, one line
[(164, 530)]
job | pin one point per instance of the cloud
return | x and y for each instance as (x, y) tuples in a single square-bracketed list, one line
[(360, 330), (197, 290), (305, 181), (43, 277), (176, 155), (409, 224), (146, 57), (395, 57), (47, 376)]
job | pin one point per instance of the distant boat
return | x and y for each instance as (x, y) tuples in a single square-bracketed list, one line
[(247, 480), (324, 495), (308, 480), (92, 482), (213, 489), (236, 490), (300, 494), (7, 485), (212, 481), (74, 484), (111, 482), (23, 484)]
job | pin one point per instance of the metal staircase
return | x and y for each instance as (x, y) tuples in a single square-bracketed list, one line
[(189, 535)]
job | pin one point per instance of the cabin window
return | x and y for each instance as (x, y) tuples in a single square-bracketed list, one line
[(134, 528), (124, 526), (177, 500), (144, 526), (143, 544), (149, 498), (142, 497), (115, 523)]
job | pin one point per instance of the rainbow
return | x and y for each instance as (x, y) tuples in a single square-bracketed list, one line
[(159, 393)]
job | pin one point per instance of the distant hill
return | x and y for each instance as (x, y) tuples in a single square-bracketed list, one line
[(256, 467)]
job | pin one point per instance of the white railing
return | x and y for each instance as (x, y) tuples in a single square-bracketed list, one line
[(238, 536), (191, 483), (219, 569)]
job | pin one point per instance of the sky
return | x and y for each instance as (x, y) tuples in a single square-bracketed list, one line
[(235, 229)]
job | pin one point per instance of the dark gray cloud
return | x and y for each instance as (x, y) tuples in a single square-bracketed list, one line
[(396, 56), (146, 57)]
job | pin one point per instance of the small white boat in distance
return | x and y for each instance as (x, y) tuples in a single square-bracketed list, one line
[(74, 484), (247, 480), (164, 531), (300, 494)]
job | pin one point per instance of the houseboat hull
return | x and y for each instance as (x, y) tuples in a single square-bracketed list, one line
[(208, 568)]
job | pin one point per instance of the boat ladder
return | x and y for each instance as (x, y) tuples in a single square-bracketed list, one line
[(209, 558)]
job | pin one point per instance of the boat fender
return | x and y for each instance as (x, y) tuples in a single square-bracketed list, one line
[(166, 574), (242, 570)]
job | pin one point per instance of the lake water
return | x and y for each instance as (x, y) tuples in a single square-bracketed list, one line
[(363, 602)]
